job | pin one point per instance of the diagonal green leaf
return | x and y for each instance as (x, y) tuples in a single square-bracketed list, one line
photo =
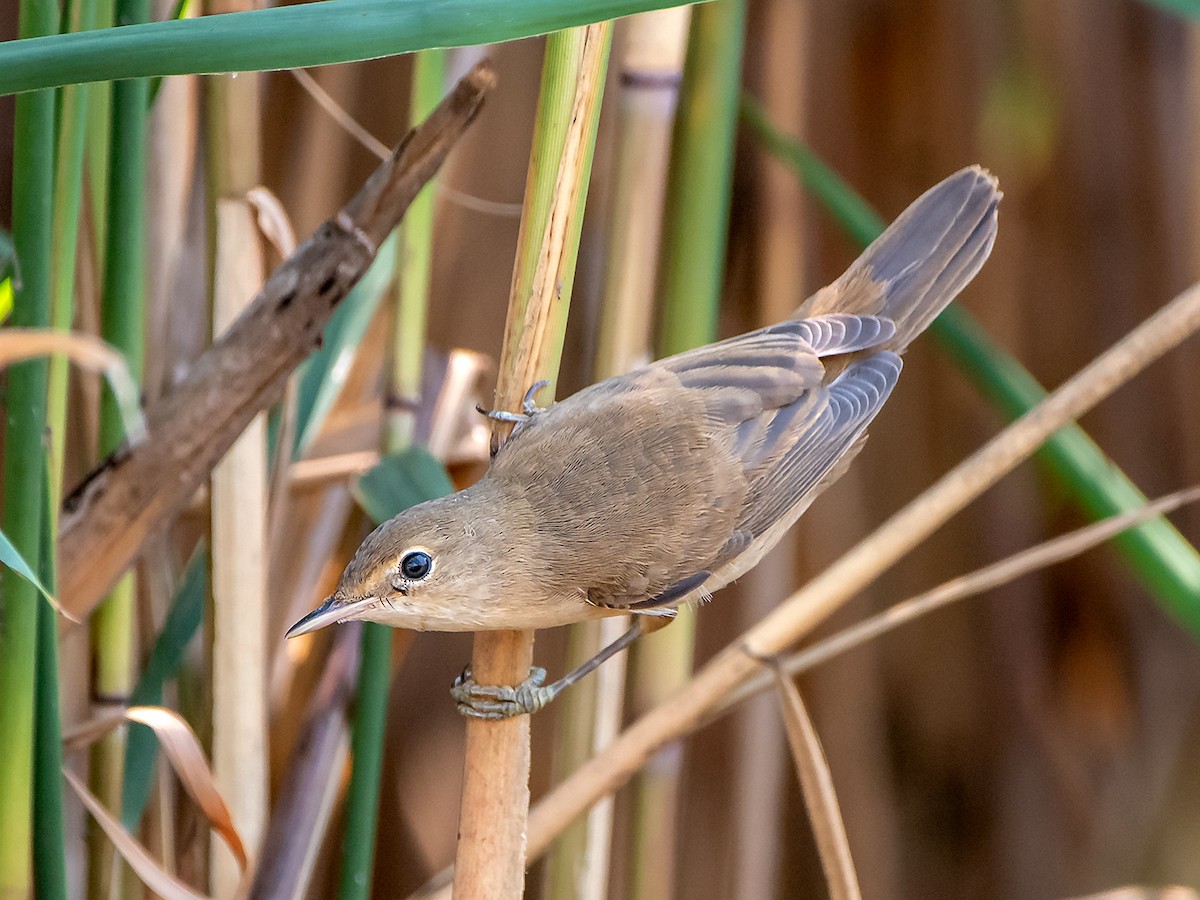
[(10, 557), (1162, 558), (1190, 8), (324, 373), (308, 34), (181, 625), (401, 480)]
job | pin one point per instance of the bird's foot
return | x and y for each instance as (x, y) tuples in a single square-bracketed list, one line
[(529, 409), (487, 701)]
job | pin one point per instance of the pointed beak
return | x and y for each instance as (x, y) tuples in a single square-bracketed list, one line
[(332, 610)]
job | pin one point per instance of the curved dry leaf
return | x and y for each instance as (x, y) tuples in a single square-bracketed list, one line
[(145, 866), (181, 746), (182, 749), (816, 783), (273, 220), (87, 352)]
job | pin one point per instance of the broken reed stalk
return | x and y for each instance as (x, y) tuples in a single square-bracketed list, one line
[(866, 561), (238, 489), (132, 494), (495, 797)]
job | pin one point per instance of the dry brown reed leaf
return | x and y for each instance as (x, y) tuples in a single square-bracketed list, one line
[(820, 799), (182, 749), (107, 520), (88, 352), (145, 866)]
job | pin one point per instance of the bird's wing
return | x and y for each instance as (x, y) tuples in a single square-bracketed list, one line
[(779, 430), (790, 455), (799, 449)]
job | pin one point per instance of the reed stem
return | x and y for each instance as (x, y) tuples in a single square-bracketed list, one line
[(23, 465), (495, 797)]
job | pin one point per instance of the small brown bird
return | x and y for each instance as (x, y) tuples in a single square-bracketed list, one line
[(653, 489)]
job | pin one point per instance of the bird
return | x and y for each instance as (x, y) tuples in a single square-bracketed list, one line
[(651, 490)]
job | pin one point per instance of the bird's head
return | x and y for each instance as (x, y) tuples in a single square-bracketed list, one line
[(431, 568)]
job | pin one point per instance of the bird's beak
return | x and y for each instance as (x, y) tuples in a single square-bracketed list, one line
[(332, 610)]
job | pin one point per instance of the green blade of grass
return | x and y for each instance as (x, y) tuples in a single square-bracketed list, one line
[(1161, 558), (49, 832), (400, 480), (284, 37), (23, 464), (324, 373), (1189, 8), (11, 557), (180, 627)]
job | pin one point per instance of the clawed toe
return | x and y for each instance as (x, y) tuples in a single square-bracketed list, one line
[(496, 701)]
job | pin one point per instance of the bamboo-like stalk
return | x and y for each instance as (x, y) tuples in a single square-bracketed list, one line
[(694, 238), (651, 59), (404, 386), (49, 830), (122, 324), (68, 201), (495, 797), (49, 840), (239, 481), (20, 603)]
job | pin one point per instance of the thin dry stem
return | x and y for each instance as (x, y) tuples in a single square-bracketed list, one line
[(816, 781)]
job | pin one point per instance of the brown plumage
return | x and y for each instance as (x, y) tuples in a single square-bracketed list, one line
[(654, 489)]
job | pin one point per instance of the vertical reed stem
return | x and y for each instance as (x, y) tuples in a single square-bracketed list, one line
[(495, 798), (24, 458), (122, 324), (239, 482)]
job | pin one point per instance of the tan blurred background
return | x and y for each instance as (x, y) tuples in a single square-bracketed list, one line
[(1041, 741)]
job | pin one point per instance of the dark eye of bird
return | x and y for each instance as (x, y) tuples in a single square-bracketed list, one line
[(416, 565)]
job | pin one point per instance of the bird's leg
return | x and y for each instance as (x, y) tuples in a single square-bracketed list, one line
[(529, 409), (485, 701)]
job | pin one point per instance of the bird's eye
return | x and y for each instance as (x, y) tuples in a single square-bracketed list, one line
[(416, 565)]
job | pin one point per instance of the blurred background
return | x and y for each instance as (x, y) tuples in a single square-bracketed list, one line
[(1040, 741)]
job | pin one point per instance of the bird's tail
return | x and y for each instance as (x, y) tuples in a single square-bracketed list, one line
[(924, 258)]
